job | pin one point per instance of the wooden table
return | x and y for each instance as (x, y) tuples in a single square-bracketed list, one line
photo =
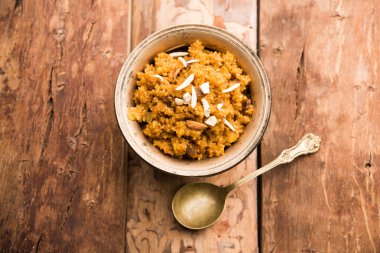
[(69, 182)]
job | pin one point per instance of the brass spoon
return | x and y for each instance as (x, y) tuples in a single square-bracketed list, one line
[(198, 205)]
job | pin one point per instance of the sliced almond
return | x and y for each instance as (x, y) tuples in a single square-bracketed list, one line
[(176, 73), (211, 121), (179, 101), (187, 97), (206, 107), (195, 125), (229, 125), (192, 61), (231, 88), (186, 83), (193, 97), (205, 88), (159, 77), (183, 61), (176, 54), (219, 106)]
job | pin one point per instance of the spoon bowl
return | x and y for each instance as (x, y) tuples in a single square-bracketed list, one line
[(198, 205)]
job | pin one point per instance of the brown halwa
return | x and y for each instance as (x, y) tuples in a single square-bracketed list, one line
[(179, 129)]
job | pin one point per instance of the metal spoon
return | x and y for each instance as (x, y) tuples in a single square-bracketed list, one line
[(198, 205)]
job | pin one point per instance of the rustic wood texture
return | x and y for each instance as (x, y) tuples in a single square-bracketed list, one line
[(62, 177), (322, 58), (66, 174), (150, 225)]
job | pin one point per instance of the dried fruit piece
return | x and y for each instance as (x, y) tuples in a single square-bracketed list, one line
[(183, 61), (186, 83), (192, 61), (179, 101), (199, 92), (206, 107), (176, 73), (193, 97), (195, 125), (229, 125), (176, 54), (211, 121), (187, 97), (231, 88), (191, 152), (159, 77), (205, 88)]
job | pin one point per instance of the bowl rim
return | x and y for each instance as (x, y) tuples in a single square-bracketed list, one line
[(267, 101)]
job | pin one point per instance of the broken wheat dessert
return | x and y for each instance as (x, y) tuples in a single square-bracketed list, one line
[(192, 104)]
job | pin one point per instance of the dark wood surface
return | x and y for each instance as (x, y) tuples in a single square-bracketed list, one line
[(322, 59), (62, 177), (69, 183)]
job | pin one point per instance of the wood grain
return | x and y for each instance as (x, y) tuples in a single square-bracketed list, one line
[(61, 161), (151, 226), (322, 58)]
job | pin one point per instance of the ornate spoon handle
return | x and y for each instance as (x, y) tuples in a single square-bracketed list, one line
[(308, 144)]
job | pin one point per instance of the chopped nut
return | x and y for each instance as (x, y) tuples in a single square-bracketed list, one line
[(187, 97), (159, 77), (206, 107), (186, 83), (176, 73), (219, 106), (205, 88), (195, 125), (192, 61), (229, 125), (183, 61), (191, 152), (211, 121), (199, 92), (193, 97), (179, 101), (176, 54), (231, 88)]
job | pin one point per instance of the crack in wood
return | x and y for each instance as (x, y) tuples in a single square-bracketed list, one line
[(16, 6), (300, 81), (68, 207), (275, 245), (37, 247), (50, 103), (18, 3), (368, 164), (88, 35), (338, 17), (309, 251), (83, 123)]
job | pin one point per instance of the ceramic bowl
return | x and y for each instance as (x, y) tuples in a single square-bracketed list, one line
[(179, 36)]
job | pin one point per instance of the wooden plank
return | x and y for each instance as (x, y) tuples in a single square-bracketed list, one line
[(151, 226), (322, 58), (61, 159)]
